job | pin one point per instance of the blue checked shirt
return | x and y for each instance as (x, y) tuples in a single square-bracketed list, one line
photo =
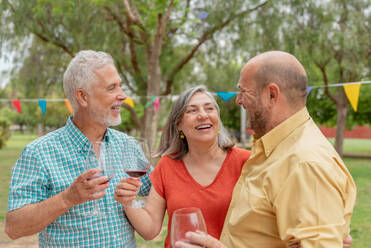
[(50, 164)]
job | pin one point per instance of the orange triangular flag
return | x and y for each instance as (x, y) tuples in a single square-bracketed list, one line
[(129, 101), (352, 92), (68, 104)]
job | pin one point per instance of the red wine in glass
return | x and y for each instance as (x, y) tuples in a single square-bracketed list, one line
[(139, 166), (136, 173)]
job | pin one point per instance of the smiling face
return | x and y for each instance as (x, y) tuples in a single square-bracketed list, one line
[(106, 96), (257, 113), (200, 122)]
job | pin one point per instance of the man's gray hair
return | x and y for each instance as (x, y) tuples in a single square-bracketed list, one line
[(292, 82), (170, 143), (80, 73)]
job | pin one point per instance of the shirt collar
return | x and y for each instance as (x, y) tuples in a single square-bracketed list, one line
[(78, 139), (274, 137)]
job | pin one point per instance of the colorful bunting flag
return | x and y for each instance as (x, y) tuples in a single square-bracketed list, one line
[(309, 89), (150, 102), (129, 101), (203, 15), (156, 103), (68, 104), (17, 105), (42, 105), (352, 92), (226, 95)]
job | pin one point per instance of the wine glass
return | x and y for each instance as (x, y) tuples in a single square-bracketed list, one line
[(99, 156), (186, 220), (139, 167)]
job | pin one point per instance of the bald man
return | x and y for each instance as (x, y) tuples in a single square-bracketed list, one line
[(294, 189)]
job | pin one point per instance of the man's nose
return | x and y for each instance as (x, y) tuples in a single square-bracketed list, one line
[(238, 99), (121, 96)]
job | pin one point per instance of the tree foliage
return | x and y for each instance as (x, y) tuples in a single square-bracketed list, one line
[(162, 47), (4, 131), (151, 41), (332, 38)]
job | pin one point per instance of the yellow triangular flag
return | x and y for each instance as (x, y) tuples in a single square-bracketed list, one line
[(129, 101), (68, 104), (352, 92)]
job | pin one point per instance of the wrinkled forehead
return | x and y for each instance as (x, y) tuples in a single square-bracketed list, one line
[(199, 99), (247, 76)]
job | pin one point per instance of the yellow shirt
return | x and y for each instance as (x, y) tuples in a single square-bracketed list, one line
[(294, 187)]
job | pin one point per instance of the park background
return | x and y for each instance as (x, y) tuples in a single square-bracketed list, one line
[(162, 47)]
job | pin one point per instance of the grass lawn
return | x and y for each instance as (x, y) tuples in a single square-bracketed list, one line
[(359, 168), (356, 146), (361, 219), (8, 156)]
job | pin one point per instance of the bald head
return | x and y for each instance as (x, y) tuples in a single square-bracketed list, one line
[(282, 69)]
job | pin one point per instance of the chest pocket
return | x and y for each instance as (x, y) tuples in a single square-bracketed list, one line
[(251, 204)]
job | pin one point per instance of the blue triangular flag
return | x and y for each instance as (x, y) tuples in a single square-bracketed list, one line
[(309, 89), (42, 104), (226, 95)]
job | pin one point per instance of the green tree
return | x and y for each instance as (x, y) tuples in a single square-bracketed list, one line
[(151, 41), (39, 77), (4, 131), (332, 38)]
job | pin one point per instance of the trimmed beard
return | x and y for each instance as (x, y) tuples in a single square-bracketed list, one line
[(103, 117), (258, 120)]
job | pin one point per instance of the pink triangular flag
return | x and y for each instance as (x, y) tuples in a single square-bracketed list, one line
[(156, 103)]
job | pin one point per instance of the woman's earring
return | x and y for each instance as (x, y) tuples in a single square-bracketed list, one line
[(181, 134), (218, 131)]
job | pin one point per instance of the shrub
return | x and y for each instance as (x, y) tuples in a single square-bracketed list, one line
[(4, 132)]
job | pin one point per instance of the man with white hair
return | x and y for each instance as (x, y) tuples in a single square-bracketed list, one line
[(50, 191)]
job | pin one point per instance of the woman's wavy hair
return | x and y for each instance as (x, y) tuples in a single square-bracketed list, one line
[(170, 143)]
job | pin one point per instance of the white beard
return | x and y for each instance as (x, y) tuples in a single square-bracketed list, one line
[(103, 116)]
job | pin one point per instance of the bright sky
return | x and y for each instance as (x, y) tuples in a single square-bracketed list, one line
[(5, 67)]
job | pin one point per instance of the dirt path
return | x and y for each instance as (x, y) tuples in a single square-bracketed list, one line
[(5, 242), (32, 241)]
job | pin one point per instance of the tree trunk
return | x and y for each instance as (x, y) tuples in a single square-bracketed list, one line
[(153, 89), (150, 126), (342, 112), (41, 130)]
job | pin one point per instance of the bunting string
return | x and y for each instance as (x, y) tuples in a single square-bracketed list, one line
[(351, 89), (152, 98), (33, 100), (341, 84)]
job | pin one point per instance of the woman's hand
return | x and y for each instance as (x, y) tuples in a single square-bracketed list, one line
[(126, 190)]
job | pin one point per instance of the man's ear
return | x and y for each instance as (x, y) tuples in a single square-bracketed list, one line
[(273, 91), (81, 97)]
